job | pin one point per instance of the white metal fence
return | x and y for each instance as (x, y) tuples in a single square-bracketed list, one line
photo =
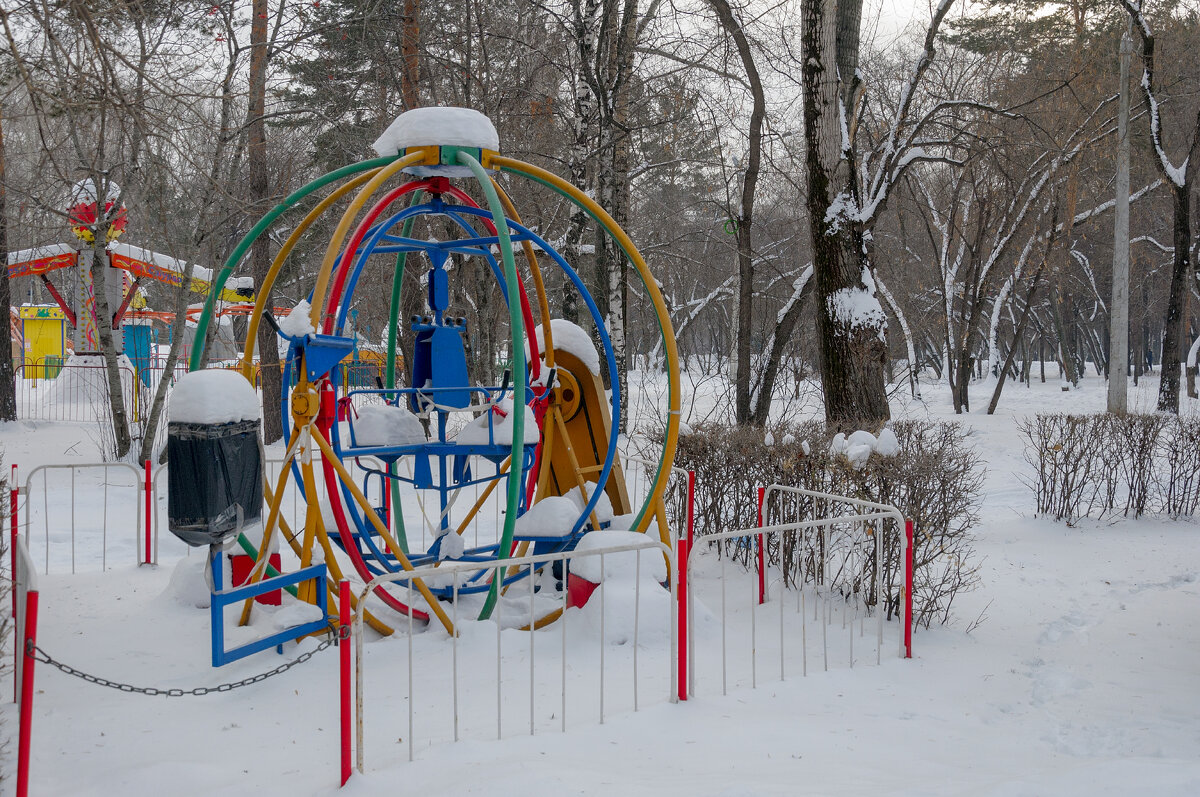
[(85, 513), (533, 663), (821, 605)]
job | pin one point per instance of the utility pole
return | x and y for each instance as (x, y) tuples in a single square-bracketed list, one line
[(1118, 333)]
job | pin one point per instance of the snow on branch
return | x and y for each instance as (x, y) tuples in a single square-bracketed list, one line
[(1176, 174)]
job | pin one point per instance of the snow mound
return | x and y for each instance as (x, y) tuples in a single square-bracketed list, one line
[(858, 447), (572, 339), (387, 425), (189, 584), (213, 396), (453, 127), (622, 566), (295, 614), (476, 432), (553, 516), (297, 323), (453, 546), (604, 508), (887, 445)]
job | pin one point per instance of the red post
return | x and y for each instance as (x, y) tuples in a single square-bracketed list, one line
[(681, 594), (762, 559), (691, 507), (387, 500), (149, 513), (14, 499), (25, 722), (908, 587), (344, 670)]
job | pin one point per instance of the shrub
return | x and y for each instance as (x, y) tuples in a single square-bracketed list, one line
[(1102, 465), (934, 480)]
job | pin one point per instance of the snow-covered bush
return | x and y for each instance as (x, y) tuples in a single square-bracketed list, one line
[(922, 467), (1102, 465)]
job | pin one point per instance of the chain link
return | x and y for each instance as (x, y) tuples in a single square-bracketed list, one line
[(36, 653)]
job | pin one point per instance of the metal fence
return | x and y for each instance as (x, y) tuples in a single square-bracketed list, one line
[(55, 392), (488, 683), (86, 512), (825, 606)]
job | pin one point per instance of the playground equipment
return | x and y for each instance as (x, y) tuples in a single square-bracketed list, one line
[(128, 267), (545, 433)]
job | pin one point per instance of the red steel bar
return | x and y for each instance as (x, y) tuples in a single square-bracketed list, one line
[(908, 587), (25, 722), (14, 497), (691, 506), (149, 504), (682, 551), (762, 562), (344, 670)]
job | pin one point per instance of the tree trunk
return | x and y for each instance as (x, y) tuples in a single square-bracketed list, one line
[(851, 326), (1168, 386), (8, 386), (104, 331), (745, 226), (410, 69), (260, 251)]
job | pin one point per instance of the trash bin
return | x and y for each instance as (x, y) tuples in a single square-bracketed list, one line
[(214, 478)]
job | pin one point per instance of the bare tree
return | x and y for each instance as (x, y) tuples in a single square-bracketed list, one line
[(844, 198), (744, 222), (1181, 180)]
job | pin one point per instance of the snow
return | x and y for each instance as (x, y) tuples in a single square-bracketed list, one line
[(857, 308), (553, 516), (477, 433), (38, 252), (387, 425), (1078, 681), (213, 396), (456, 127), (85, 191), (571, 338), (887, 445), (621, 566), (858, 447), (603, 509), (298, 322)]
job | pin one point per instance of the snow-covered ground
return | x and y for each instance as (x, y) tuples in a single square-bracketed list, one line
[(1072, 670)]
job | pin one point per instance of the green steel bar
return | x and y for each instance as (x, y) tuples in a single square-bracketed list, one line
[(200, 341), (671, 388), (518, 372)]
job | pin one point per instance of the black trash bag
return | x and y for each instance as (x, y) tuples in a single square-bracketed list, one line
[(214, 480)]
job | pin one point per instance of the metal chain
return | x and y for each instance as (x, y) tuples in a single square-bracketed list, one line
[(36, 653)]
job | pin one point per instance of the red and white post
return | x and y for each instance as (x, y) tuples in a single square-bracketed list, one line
[(344, 621), (762, 556), (908, 587)]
